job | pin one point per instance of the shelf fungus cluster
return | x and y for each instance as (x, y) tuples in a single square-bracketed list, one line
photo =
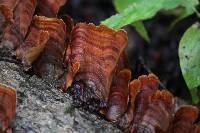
[(98, 74), (33, 33)]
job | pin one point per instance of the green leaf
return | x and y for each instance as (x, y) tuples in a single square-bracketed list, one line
[(121, 5), (139, 27), (132, 11), (189, 55), (189, 9), (167, 5), (188, 4), (183, 14), (138, 10)]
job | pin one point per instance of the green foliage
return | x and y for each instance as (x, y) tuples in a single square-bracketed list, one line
[(131, 11), (187, 11), (139, 27), (136, 11), (189, 54), (188, 4), (183, 14)]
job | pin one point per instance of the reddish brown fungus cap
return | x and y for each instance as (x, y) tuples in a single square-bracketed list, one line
[(7, 105), (96, 50)]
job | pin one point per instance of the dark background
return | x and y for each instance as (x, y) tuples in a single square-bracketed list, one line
[(160, 56)]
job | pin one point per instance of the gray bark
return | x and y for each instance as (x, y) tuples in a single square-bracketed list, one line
[(42, 108)]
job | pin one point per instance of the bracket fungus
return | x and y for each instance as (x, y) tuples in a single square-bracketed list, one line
[(119, 91), (6, 13), (184, 118), (53, 47), (15, 33), (118, 98), (196, 129), (153, 111), (7, 106), (45, 46), (92, 57), (34, 44)]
